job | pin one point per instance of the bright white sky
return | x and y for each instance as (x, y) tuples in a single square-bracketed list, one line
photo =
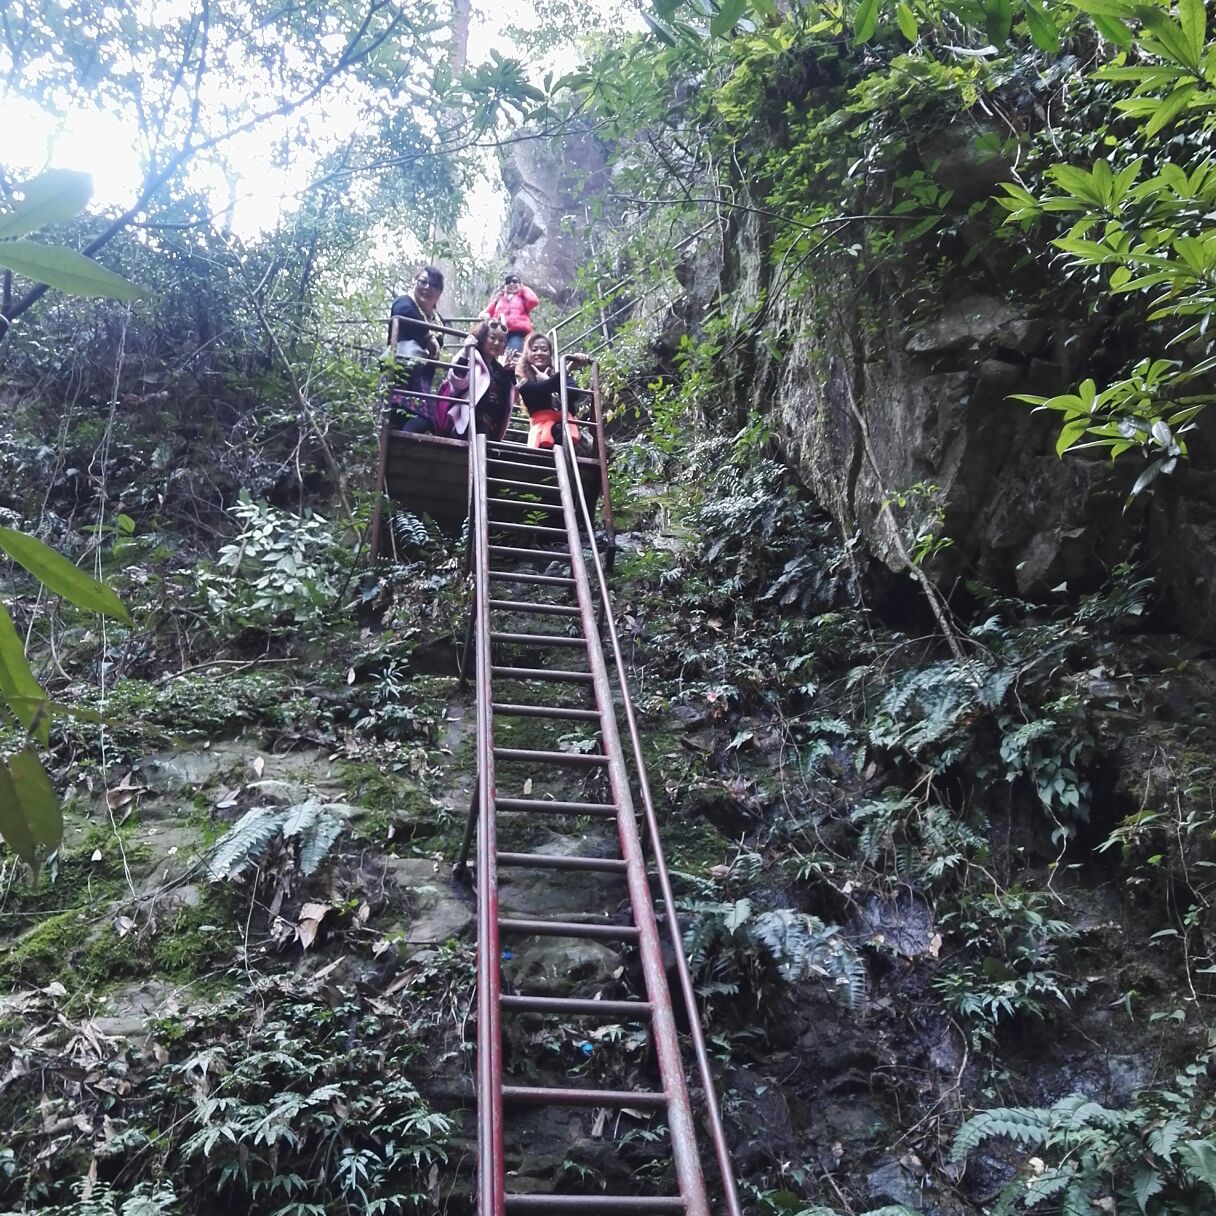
[(99, 144)]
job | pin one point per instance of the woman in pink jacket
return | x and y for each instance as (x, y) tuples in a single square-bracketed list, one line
[(514, 305)]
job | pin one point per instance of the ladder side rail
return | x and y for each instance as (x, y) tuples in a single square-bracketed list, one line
[(601, 442), (629, 278), (563, 393), (386, 422), (468, 658), (491, 1176), (597, 407), (381, 473), (696, 1031), (685, 1153)]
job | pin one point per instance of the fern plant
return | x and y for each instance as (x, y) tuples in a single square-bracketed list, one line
[(912, 840), (928, 712), (102, 1199), (1156, 1157), (309, 829), (1012, 959), (739, 957)]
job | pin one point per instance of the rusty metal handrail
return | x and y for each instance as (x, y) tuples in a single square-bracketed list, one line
[(696, 1033), (491, 1178), (601, 445), (685, 1156), (598, 299)]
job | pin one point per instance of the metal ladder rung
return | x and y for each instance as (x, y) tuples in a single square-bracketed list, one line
[(541, 580), (542, 805), (556, 861), (593, 1203), (521, 464), (540, 609), (525, 506), (566, 1004), (552, 675), (553, 555), (531, 529), (518, 449), (510, 710), (538, 639), (578, 759), (531, 486), (569, 928), (647, 1099)]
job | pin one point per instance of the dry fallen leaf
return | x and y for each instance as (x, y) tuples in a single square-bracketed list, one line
[(227, 797), (309, 923), (121, 795), (527, 787), (329, 968), (935, 945), (97, 855), (124, 925), (259, 766)]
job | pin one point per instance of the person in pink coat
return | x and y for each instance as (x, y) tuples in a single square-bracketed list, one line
[(514, 305)]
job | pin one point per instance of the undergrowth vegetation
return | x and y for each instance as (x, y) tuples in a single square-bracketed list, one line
[(880, 803)]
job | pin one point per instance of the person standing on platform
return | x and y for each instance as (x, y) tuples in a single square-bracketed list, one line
[(416, 409), (513, 304), (495, 398)]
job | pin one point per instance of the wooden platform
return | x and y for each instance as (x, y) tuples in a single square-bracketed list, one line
[(429, 475)]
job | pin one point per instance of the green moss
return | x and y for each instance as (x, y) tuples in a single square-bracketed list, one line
[(62, 926), (692, 845), (195, 941), (394, 801)]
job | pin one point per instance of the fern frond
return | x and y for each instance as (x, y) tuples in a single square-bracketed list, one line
[(1022, 1124), (316, 843), (244, 843), (300, 818)]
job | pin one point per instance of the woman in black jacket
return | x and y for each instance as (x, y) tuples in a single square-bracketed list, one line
[(415, 406), (539, 383)]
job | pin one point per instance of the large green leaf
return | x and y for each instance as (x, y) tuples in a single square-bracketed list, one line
[(66, 270), (13, 825), (58, 574), (42, 810), (724, 19), (20, 689), (1194, 22), (659, 30), (30, 814), (55, 196), (998, 19), (865, 21), (1170, 108), (1042, 28)]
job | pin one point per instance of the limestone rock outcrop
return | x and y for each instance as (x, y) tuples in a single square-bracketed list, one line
[(550, 229)]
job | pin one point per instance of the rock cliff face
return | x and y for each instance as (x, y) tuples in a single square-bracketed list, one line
[(549, 231), (891, 419)]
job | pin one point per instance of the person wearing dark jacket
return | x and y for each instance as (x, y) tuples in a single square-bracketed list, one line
[(539, 383), (495, 395), (415, 407)]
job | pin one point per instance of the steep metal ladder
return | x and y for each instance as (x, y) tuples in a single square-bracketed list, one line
[(522, 499)]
